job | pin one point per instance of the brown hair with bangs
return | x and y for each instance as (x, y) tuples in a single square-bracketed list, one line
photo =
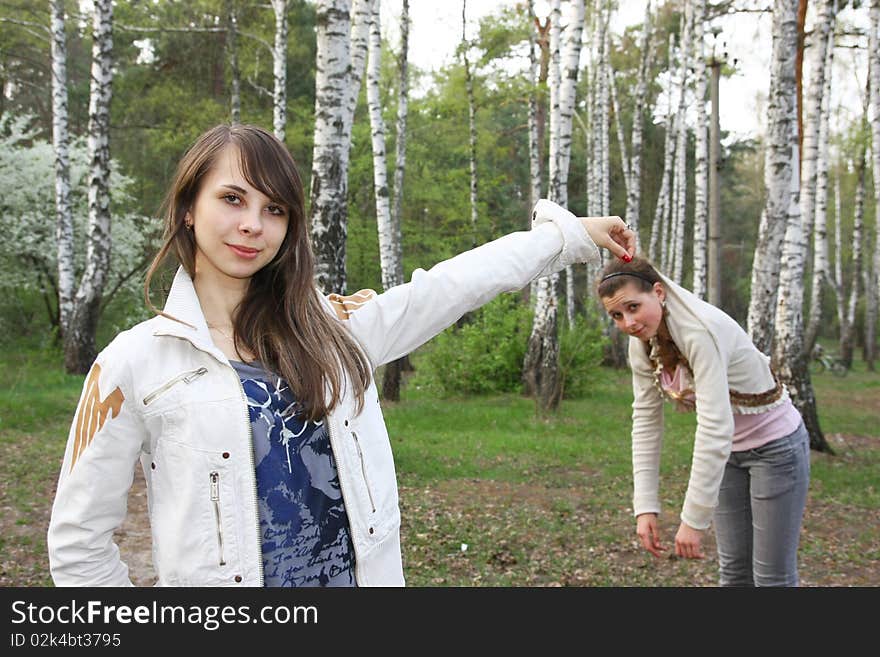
[(282, 319)]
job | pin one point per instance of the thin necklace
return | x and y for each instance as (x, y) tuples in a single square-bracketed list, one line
[(221, 332)]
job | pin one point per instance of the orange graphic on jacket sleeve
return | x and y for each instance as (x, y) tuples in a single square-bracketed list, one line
[(93, 412), (344, 306)]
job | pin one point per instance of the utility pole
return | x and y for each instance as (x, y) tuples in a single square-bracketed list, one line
[(714, 249)]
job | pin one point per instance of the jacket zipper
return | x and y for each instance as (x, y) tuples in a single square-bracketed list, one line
[(186, 377), (253, 474), (215, 498), (364, 470), (253, 471), (339, 473)]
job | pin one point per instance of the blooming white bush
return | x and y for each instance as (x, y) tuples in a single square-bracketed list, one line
[(28, 250)]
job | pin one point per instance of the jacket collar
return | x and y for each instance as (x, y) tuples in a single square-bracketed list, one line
[(183, 304)]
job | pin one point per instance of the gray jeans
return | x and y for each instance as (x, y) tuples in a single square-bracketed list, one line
[(759, 513)]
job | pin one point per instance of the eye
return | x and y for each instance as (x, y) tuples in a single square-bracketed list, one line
[(615, 315), (277, 210), (633, 307), (232, 199)]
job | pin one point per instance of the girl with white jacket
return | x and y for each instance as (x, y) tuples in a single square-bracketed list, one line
[(751, 463), (249, 400)]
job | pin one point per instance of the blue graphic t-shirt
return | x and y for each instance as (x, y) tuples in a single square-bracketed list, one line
[(303, 524)]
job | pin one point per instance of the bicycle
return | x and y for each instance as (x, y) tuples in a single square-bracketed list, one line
[(821, 361)]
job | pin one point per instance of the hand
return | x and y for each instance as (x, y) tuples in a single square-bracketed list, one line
[(611, 233), (687, 542), (649, 534)]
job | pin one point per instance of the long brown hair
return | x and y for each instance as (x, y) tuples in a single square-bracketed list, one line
[(282, 319)]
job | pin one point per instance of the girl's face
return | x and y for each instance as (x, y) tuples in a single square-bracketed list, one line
[(636, 312), (238, 229)]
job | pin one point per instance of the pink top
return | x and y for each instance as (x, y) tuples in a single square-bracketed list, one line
[(749, 430)]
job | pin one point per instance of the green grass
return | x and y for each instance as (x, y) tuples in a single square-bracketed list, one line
[(538, 500)]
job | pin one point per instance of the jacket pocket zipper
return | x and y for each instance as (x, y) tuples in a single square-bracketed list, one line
[(364, 470), (215, 498), (186, 377)]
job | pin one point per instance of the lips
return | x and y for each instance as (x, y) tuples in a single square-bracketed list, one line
[(244, 251)]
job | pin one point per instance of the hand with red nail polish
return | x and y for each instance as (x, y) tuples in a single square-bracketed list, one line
[(613, 234)]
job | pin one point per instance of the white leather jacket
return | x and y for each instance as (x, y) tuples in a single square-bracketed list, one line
[(163, 393)]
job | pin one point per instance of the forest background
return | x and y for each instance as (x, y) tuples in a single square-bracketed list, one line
[(469, 174)]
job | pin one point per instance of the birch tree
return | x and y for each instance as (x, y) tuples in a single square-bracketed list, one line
[(618, 129), (838, 259), (701, 153), (780, 178), (541, 363), (79, 341), (634, 187), (536, 131), (342, 28), (679, 197), (388, 248), (393, 370), (472, 122), (400, 146), (820, 276), (822, 29), (872, 287), (789, 358), (279, 69), (568, 83), (848, 306), (235, 71), (657, 245), (60, 145), (539, 65)]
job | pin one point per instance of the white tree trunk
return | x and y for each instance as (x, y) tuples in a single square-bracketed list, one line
[(541, 363), (387, 244), (472, 122), (789, 358), (604, 117), (60, 143), (342, 28), (396, 275), (819, 44), (780, 178), (634, 188), (872, 287), (820, 222), (232, 47), (553, 80), (838, 259), (701, 154), (680, 193), (79, 343), (618, 128), (392, 376), (569, 76), (848, 317), (534, 148), (657, 245), (279, 69)]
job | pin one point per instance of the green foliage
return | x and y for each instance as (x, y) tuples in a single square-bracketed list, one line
[(485, 355), (580, 354)]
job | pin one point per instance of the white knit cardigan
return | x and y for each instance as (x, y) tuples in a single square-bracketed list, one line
[(722, 358)]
